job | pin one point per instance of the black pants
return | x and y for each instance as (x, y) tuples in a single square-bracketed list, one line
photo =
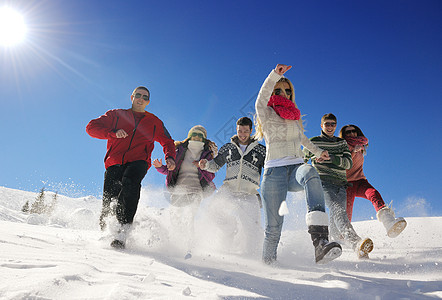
[(122, 183)]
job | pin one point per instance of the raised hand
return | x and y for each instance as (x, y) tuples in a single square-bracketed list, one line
[(281, 69), (157, 163)]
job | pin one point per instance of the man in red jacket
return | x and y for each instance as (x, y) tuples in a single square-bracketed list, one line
[(130, 135)]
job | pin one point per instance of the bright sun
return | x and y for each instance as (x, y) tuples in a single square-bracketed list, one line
[(12, 27)]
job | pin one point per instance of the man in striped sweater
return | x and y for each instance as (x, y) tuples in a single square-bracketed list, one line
[(334, 182)]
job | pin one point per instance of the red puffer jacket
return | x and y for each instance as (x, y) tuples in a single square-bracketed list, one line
[(140, 142)]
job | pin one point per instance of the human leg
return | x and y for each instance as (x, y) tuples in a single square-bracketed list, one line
[(365, 190), (305, 177), (335, 198), (351, 194), (129, 196), (111, 189), (182, 218), (274, 191), (249, 217)]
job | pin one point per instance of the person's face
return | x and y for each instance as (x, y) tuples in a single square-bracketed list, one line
[(196, 136), (282, 89), (350, 131), (329, 127), (140, 99), (243, 132)]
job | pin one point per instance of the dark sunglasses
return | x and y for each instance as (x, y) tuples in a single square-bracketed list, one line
[(351, 131), (138, 95), (326, 124), (288, 92), (198, 134)]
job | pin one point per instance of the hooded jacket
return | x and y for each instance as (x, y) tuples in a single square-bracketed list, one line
[(243, 171), (140, 142)]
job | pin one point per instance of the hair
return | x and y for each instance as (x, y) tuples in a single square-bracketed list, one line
[(259, 135), (328, 116), (358, 130), (142, 88), (244, 121)]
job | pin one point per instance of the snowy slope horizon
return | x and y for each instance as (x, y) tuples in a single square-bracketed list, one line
[(65, 256)]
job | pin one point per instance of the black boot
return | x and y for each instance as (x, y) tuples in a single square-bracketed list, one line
[(325, 251)]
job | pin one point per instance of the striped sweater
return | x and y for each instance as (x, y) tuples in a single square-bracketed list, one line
[(333, 170)]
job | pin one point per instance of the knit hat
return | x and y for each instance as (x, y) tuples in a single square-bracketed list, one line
[(198, 129)]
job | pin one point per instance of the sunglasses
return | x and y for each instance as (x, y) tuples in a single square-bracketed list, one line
[(351, 131), (138, 95), (327, 124), (288, 92), (198, 134)]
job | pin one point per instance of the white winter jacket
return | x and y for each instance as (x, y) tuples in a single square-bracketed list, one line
[(282, 137)]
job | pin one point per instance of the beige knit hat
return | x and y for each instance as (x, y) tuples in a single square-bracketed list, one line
[(198, 129)]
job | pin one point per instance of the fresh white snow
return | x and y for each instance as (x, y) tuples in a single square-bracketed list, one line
[(65, 256)]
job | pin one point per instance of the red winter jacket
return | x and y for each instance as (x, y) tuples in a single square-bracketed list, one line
[(140, 142)]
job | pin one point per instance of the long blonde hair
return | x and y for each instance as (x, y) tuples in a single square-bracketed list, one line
[(259, 134)]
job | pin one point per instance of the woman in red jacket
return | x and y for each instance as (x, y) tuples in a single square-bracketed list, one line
[(130, 135), (359, 185)]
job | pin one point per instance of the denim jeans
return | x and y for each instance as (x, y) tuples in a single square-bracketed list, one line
[(276, 182), (340, 226)]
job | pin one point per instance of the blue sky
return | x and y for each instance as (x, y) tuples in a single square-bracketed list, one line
[(377, 64)]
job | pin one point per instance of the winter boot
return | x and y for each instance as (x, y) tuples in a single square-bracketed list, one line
[(325, 251), (119, 241), (363, 247), (394, 226)]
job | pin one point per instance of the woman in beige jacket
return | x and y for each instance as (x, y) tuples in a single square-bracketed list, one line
[(279, 123)]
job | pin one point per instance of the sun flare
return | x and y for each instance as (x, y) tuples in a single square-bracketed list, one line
[(12, 27)]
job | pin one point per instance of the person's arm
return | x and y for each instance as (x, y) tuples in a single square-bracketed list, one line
[(307, 155), (158, 164), (217, 163), (267, 89), (343, 161), (163, 137), (104, 127), (320, 154)]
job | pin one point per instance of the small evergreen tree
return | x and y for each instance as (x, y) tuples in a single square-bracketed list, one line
[(50, 209), (25, 207), (39, 207)]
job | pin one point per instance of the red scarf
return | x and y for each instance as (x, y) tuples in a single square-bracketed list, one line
[(285, 108), (357, 140)]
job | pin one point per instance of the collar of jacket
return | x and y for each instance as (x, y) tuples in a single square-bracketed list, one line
[(331, 139), (234, 139)]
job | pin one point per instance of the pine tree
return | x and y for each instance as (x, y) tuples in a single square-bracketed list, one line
[(38, 207), (25, 207), (50, 209)]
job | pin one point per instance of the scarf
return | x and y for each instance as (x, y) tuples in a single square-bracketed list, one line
[(285, 108), (358, 140)]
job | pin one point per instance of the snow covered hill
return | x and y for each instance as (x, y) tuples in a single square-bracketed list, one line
[(65, 256)]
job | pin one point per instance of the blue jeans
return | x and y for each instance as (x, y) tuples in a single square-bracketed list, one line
[(340, 226), (276, 183)]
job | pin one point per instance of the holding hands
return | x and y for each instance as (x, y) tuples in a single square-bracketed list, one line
[(324, 156), (202, 164)]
